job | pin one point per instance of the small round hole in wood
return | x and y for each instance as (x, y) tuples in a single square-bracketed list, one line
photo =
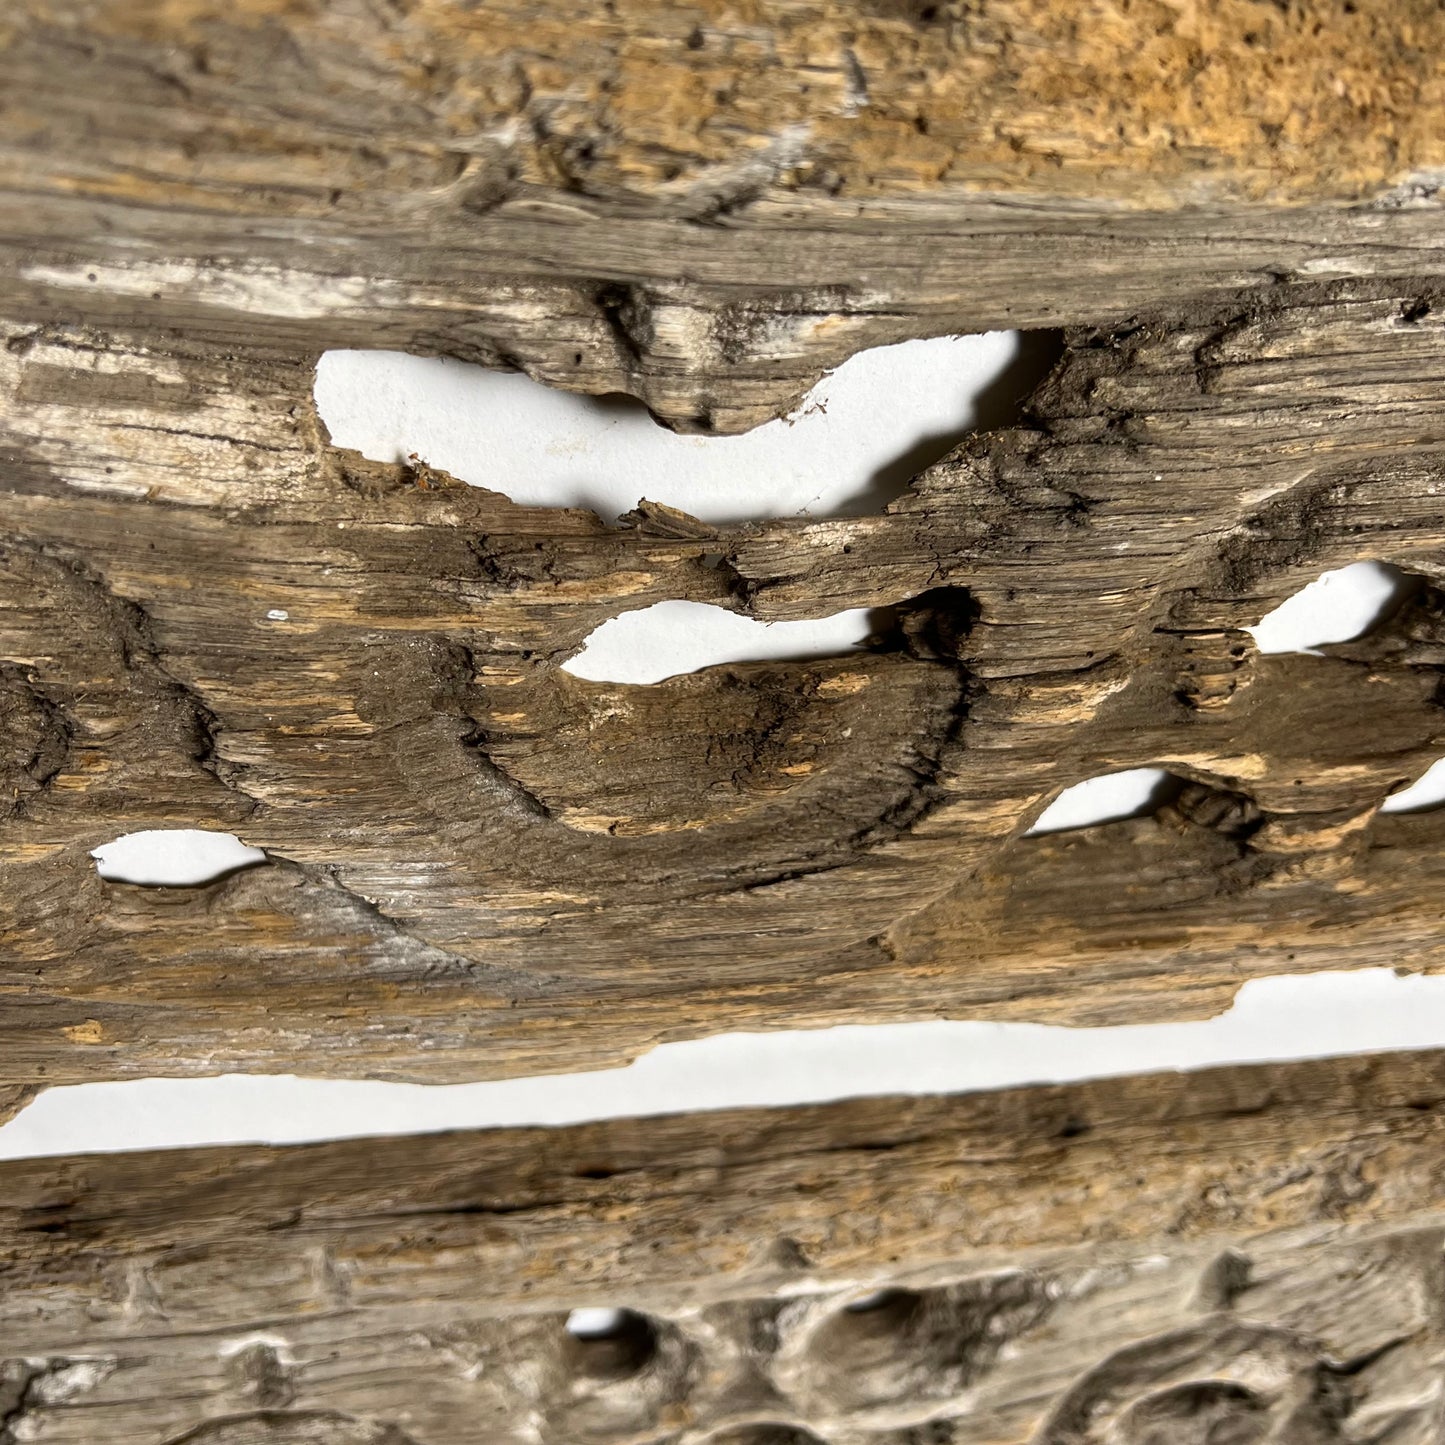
[(609, 1343)]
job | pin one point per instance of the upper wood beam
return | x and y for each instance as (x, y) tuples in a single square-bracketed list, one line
[(704, 204)]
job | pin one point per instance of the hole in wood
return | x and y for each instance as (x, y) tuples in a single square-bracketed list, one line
[(853, 444), (174, 857), (1109, 798), (668, 639), (1425, 794), (1342, 605), (609, 1343), (596, 1323)]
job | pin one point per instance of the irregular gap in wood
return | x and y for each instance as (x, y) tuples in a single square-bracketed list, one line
[(174, 857), (672, 639), (609, 1343), (1427, 792), (596, 1322), (1280, 1018), (1343, 605), (852, 446), (1111, 798)]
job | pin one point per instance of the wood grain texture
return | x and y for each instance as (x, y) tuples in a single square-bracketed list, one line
[(704, 204), (482, 865), (479, 865), (1244, 1254)]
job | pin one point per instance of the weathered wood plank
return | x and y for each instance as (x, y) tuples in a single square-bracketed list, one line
[(704, 204), (1174, 1258), (211, 618)]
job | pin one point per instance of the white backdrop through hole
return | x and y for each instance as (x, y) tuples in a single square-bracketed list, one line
[(1425, 793), (669, 638), (1338, 606), (173, 857), (849, 448)]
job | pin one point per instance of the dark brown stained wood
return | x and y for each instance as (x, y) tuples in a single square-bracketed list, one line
[(481, 865), (1244, 1254), (703, 203)]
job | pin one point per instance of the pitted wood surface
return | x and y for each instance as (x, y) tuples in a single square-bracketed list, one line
[(1244, 1254), (482, 865)]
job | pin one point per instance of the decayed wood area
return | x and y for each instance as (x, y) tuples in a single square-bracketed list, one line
[(1244, 1255), (480, 865)]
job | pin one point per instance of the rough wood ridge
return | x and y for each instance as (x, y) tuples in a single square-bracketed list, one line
[(1246, 1255)]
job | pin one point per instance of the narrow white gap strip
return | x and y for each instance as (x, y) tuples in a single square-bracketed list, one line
[(1337, 606), (668, 638), (837, 454), (173, 857), (1132, 793), (1292, 1017)]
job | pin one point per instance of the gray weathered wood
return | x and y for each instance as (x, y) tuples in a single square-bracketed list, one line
[(482, 865), (1244, 1254)]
